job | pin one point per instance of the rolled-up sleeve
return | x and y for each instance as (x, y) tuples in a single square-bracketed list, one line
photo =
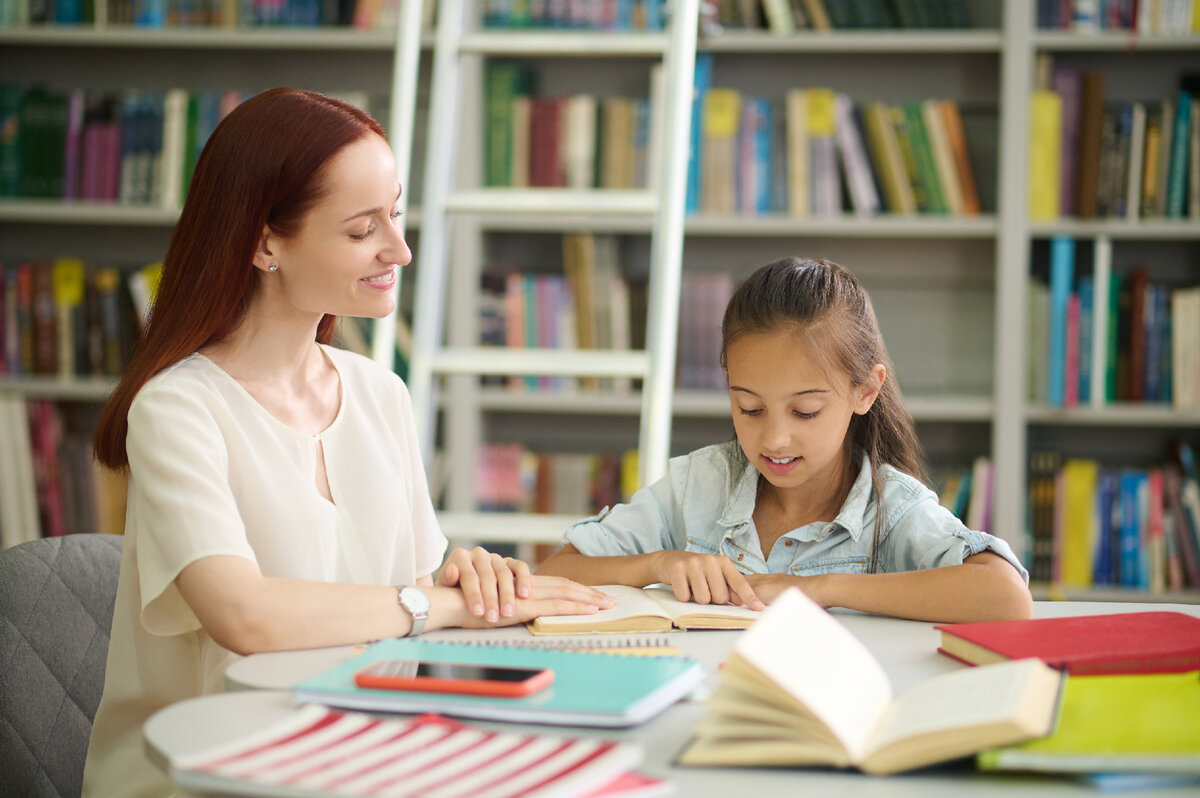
[(926, 535)]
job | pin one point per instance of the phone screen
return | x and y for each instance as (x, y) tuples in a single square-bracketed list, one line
[(450, 670)]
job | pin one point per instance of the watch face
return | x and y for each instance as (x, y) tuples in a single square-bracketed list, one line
[(415, 600)]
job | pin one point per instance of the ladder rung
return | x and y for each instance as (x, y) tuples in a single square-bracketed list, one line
[(496, 527), (554, 201), (548, 362), (591, 45)]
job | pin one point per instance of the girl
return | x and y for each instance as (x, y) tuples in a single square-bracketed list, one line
[(822, 488), (276, 497)]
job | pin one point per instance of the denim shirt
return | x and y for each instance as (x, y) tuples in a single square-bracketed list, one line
[(705, 504)]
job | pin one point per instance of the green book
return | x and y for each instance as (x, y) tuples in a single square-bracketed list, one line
[(503, 82), (1114, 724), (589, 689), (11, 98), (931, 189)]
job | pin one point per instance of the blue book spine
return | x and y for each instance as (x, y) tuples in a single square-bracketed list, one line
[(68, 12), (1177, 174), (762, 155), (1153, 324), (652, 17), (1129, 535), (1106, 491), (1087, 304), (1062, 268), (150, 13), (702, 80)]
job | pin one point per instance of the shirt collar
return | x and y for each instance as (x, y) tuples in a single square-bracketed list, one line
[(744, 491)]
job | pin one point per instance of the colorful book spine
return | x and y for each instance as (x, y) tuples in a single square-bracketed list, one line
[(1062, 267)]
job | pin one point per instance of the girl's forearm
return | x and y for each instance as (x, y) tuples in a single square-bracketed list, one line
[(952, 594), (637, 570)]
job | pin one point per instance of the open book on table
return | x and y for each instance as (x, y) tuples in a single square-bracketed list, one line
[(648, 609), (800, 689)]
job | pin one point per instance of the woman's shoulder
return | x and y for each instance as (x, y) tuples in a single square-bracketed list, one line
[(360, 368)]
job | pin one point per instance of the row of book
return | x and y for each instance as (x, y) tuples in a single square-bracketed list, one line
[(1131, 527), (361, 14), (510, 478), (591, 305), (1137, 16), (789, 16), (575, 141), (134, 147), (816, 152), (74, 493), (65, 318), (1091, 157), (613, 15), (1103, 336)]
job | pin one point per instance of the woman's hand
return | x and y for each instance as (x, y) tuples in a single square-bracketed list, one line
[(491, 584), (547, 595), (705, 579)]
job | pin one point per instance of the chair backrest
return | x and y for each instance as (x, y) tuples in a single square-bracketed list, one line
[(56, 604)]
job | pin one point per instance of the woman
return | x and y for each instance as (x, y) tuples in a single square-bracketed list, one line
[(276, 494)]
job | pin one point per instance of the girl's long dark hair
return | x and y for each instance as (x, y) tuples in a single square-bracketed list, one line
[(262, 165), (826, 304)]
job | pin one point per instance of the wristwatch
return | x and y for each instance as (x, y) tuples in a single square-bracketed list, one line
[(416, 604)]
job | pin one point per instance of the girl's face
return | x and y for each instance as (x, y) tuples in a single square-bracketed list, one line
[(790, 416), (345, 258)]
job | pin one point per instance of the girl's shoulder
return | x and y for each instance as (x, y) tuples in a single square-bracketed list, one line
[(900, 488)]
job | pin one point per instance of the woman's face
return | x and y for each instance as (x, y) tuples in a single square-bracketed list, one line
[(344, 260)]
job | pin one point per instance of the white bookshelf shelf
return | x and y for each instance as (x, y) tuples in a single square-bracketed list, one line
[(1147, 230), (210, 38), (54, 211), (875, 41), (493, 360), (1120, 41), (587, 44), (87, 389), (1116, 415), (505, 527)]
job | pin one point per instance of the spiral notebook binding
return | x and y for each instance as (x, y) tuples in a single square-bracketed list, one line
[(598, 645)]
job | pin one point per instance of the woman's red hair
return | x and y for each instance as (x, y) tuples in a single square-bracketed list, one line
[(263, 165)]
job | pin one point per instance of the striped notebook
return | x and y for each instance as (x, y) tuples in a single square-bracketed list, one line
[(318, 751)]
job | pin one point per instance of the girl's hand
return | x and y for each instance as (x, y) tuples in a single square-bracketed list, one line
[(547, 595), (705, 579), (491, 584)]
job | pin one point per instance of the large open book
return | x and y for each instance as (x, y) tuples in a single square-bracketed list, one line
[(649, 609), (800, 689)]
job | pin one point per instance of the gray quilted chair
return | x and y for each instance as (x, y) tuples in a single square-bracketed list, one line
[(56, 604)]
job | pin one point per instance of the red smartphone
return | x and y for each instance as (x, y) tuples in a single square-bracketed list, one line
[(453, 677)]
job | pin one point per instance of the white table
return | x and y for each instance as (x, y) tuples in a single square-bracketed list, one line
[(259, 693)]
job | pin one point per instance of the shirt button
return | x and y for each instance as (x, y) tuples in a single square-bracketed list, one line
[(788, 543), (740, 556)]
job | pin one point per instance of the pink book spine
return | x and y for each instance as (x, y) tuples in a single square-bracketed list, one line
[(93, 155), (1071, 373), (72, 153)]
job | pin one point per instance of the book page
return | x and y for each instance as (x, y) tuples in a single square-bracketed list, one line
[(676, 609), (962, 712), (632, 603), (820, 663)]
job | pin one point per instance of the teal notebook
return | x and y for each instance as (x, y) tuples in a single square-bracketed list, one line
[(588, 690)]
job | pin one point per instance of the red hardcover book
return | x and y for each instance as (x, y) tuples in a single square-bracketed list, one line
[(1130, 642), (545, 139)]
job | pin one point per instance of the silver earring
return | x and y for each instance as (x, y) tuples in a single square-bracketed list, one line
[(274, 267)]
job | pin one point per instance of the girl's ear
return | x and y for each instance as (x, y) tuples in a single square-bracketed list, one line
[(867, 392), (263, 255)]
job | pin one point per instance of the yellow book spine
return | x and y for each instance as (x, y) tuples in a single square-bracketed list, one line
[(1045, 155), (1080, 524)]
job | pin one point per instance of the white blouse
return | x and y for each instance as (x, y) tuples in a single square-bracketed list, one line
[(212, 472)]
